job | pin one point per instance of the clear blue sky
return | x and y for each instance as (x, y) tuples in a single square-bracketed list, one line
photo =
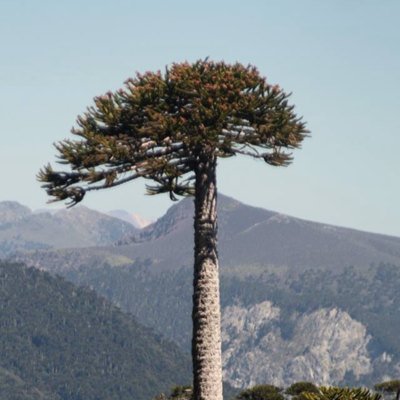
[(341, 60)]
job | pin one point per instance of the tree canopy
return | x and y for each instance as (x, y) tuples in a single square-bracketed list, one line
[(261, 392), (392, 386), (156, 126), (299, 387), (339, 393)]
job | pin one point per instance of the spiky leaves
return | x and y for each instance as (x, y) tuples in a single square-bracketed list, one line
[(336, 393), (157, 125)]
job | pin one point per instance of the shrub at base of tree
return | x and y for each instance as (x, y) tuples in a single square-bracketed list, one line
[(389, 387), (336, 393), (261, 392), (300, 387)]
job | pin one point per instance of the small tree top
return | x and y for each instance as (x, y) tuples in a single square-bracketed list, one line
[(300, 387), (261, 392), (388, 386), (159, 124), (342, 393)]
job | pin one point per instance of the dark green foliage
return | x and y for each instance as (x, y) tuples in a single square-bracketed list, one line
[(182, 393), (336, 393), (261, 392), (59, 339), (186, 393), (177, 393), (159, 299), (300, 387), (388, 386), (158, 124), (301, 390)]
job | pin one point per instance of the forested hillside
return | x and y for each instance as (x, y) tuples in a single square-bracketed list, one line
[(58, 341), (13, 387)]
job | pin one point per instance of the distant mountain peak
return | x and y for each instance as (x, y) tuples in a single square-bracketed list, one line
[(79, 213), (180, 215), (22, 229), (11, 211), (134, 219)]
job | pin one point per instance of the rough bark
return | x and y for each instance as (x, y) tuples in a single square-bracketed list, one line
[(206, 343)]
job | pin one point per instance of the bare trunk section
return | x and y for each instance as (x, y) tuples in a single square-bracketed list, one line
[(206, 343)]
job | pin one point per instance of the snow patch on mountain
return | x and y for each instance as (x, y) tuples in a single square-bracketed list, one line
[(134, 219)]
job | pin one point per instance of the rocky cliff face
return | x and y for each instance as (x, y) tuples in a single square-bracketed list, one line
[(324, 346)]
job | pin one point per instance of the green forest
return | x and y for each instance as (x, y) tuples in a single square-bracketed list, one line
[(61, 342)]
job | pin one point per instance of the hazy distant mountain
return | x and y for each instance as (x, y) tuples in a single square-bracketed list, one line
[(21, 229), (317, 278), (250, 239), (255, 237), (135, 219), (11, 211), (67, 343)]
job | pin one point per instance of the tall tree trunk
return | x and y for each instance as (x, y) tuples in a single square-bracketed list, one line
[(206, 342)]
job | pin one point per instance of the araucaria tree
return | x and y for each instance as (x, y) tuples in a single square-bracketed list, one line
[(170, 128)]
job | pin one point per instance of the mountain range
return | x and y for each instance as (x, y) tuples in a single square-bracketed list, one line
[(301, 300), (22, 229), (250, 236)]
